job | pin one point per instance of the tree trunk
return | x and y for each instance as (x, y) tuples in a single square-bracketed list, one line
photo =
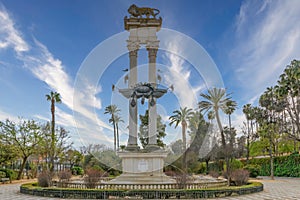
[(184, 163), (21, 168), (118, 140), (224, 146), (115, 137), (248, 142), (220, 128), (228, 170), (206, 163), (271, 159), (52, 136)]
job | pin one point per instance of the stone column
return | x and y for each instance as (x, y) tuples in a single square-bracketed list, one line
[(152, 130), (132, 139)]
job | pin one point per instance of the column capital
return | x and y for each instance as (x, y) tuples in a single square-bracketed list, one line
[(133, 53), (133, 45), (152, 44), (152, 52)]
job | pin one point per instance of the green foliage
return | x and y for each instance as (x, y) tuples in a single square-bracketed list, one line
[(77, 170), (143, 130), (253, 169), (258, 148), (236, 164), (287, 166), (201, 168), (9, 173), (216, 166), (25, 136), (2, 174)]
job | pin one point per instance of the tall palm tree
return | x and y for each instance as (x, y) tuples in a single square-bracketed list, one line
[(230, 108), (118, 119), (249, 113), (215, 100), (182, 116), (53, 97), (113, 110)]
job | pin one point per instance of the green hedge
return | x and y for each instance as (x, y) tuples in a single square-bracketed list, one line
[(287, 166), (11, 174), (145, 194)]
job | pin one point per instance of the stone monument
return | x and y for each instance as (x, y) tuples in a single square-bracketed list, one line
[(142, 166)]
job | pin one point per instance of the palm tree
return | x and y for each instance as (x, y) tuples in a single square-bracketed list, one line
[(249, 113), (230, 108), (53, 97), (113, 111), (118, 119), (182, 116), (216, 100)]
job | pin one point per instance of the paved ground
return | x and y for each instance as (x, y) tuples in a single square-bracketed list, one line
[(280, 189)]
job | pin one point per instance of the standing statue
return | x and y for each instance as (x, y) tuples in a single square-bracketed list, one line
[(137, 12)]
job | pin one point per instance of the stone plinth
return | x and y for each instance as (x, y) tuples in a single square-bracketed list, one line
[(142, 168), (134, 23)]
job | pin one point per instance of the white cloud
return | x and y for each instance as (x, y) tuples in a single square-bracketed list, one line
[(9, 35), (268, 38), (44, 66), (179, 76), (4, 115)]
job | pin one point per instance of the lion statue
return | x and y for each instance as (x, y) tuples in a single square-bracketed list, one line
[(139, 12)]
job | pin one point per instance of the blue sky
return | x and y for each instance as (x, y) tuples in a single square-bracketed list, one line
[(44, 43)]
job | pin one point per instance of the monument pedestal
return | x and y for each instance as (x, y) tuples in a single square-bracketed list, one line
[(142, 168)]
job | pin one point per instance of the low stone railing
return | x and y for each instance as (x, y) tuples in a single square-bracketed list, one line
[(141, 186), (140, 194)]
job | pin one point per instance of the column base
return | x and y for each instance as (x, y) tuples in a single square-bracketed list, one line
[(152, 147), (132, 147)]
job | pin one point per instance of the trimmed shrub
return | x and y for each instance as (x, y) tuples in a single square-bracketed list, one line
[(236, 164), (2, 174), (64, 175), (253, 170), (77, 170), (201, 168), (288, 166), (216, 166), (240, 177), (44, 179), (11, 174)]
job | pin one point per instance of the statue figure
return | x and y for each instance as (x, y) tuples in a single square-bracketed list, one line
[(137, 12)]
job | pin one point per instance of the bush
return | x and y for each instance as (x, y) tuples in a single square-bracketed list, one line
[(202, 168), (92, 177), (9, 173), (44, 179), (253, 170), (240, 177), (216, 166), (77, 171), (2, 174), (288, 166), (64, 175), (170, 173), (236, 164), (214, 173)]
